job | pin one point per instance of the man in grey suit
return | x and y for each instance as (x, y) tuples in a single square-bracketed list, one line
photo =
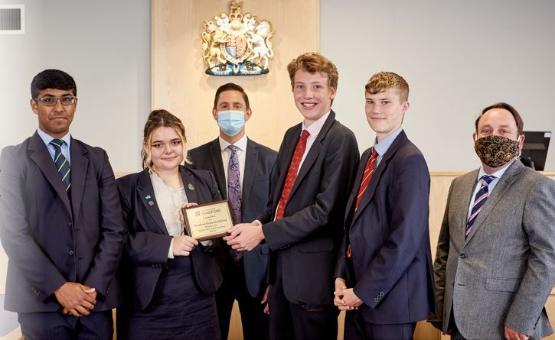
[(495, 260), (242, 169)]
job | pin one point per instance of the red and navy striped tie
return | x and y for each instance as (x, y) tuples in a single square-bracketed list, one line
[(479, 201), (62, 165)]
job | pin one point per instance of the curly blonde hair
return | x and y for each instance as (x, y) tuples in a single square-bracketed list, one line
[(382, 81), (313, 62)]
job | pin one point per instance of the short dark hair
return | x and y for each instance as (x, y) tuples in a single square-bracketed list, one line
[(52, 79), (504, 106), (231, 87)]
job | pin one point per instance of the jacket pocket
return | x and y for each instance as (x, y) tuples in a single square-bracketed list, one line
[(503, 285)]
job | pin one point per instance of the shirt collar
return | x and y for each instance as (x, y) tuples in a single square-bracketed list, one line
[(46, 138), (382, 147), (316, 126), (241, 143), (498, 174)]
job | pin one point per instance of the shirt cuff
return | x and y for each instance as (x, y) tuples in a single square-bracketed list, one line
[(170, 251)]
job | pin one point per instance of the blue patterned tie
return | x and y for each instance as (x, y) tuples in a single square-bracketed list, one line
[(62, 165), (234, 191), (479, 201)]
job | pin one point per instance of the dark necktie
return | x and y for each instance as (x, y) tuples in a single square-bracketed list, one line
[(234, 184), (62, 165), (291, 174), (366, 177), (479, 201), (234, 192)]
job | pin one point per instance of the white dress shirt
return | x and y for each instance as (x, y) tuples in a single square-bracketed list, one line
[(314, 130), (170, 200)]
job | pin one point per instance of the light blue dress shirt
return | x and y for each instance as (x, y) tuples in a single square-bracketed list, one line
[(46, 138)]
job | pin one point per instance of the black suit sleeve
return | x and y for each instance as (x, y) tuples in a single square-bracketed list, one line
[(113, 230)]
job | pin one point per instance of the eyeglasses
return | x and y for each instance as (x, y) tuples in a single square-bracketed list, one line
[(52, 101)]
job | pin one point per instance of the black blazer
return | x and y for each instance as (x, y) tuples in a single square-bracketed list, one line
[(148, 243), (307, 237), (50, 239), (259, 161), (391, 260)]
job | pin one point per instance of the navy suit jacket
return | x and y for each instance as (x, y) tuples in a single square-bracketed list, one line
[(306, 239), (391, 267), (51, 239), (259, 161), (148, 243)]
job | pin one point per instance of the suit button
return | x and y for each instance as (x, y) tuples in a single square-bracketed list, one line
[(462, 256), (71, 252)]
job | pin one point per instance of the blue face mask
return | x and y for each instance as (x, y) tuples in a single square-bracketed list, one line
[(231, 122)]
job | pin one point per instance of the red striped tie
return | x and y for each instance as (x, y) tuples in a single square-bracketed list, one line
[(367, 176), (291, 174)]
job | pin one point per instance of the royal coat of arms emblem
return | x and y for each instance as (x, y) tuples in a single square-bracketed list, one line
[(237, 44)]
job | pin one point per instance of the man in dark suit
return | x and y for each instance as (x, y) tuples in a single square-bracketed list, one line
[(384, 273), (303, 222), (61, 223), (242, 169)]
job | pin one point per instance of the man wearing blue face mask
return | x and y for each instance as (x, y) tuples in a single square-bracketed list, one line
[(242, 169)]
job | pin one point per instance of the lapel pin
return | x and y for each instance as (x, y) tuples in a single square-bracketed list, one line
[(190, 186), (151, 203), (147, 197)]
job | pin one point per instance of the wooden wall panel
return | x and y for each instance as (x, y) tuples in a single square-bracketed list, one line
[(180, 85)]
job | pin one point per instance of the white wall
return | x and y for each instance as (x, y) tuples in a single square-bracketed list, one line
[(105, 46), (458, 57)]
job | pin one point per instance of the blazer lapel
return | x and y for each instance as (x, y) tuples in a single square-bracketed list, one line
[(190, 183), (463, 198), (79, 168), (376, 176), (218, 166), (147, 198), (39, 153), (251, 159), (313, 152), (350, 207), (499, 191)]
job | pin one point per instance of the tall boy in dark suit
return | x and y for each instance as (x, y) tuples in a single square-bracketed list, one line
[(61, 223), (304, 221), (384, 274)]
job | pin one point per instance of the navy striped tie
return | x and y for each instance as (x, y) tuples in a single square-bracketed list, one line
[(62, 165), (479, 201)]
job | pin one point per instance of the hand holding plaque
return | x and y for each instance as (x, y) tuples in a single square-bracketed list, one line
[(208, 221)]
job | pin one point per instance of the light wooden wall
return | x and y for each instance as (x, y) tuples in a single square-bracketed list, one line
[(180, 85)]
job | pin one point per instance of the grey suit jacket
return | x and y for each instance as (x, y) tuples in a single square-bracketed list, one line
[(505, 269)]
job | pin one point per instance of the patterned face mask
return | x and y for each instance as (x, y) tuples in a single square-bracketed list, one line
[(495, 151)]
